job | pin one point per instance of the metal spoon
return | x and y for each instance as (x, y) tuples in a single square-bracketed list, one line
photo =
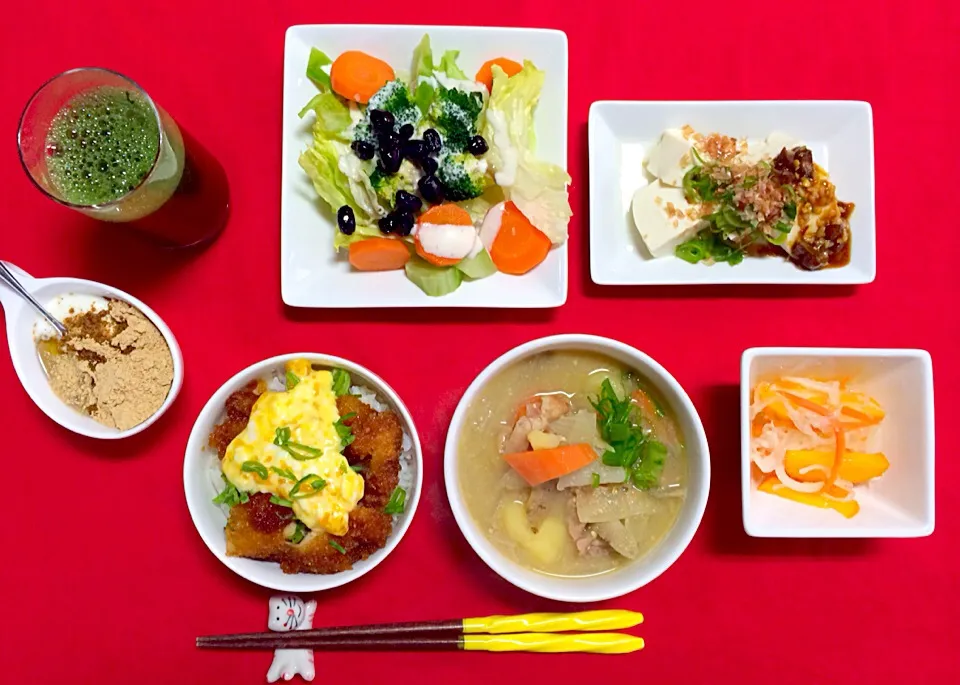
[(7, 277)]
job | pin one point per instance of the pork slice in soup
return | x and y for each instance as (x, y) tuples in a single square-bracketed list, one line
[(572, 464)]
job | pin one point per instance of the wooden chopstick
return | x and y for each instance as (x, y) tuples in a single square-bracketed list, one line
[(595, 643), (523, 632), (609, 619)]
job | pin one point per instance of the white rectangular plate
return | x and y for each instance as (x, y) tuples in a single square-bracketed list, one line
[(312, 275), (839, 133), (899, 504)]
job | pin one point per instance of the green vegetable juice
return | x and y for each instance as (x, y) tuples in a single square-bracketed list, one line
[(101, 145)]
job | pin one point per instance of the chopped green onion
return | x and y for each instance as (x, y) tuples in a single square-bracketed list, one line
[(281, 501), (733, 217), (294, 449), (341, 382), (256, 467), (357, 467), (343, 467), (692, 251), (790, 210), (749, 181), (647, 472), (315, 71), (230, 495), (595, 479), (312, 481), (397, 501), (284, 473), (337, 546), (299, 533), (696, 155), (343, 430), (292, 380)]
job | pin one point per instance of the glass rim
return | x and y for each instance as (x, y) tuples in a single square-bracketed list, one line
[(143, 181)]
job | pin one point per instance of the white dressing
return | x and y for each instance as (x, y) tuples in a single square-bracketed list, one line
[(490, 227), (449, 241), (506, 175)]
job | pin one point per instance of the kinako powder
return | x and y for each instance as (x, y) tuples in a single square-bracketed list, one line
[(112, 364)]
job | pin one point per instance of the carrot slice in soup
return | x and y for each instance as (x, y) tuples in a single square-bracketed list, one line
[(519, 245), (357, 76), (378, 254), (485, 74), (445, 214), (539, 466)]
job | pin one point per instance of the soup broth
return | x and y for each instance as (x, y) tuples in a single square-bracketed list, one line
[(586, 522)]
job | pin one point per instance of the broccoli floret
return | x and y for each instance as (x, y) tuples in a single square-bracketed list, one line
[(386, 186), (395, 98), (455, 114), (462, 175)]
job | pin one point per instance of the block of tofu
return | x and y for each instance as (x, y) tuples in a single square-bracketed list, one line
[(670, 157), (770, 147), (659, 213)]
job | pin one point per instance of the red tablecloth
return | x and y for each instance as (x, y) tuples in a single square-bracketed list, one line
[(104, 576)]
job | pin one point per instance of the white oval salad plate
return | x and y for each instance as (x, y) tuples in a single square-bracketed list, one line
[(313, 273), (622, 135)]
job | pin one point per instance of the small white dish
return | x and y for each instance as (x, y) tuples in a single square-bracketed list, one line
[(21, 318), (899, 504), (312, 274), (200, 488), (632, 575), (839, 133)]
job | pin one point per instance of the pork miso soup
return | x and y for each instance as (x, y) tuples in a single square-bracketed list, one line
[(572, 464)]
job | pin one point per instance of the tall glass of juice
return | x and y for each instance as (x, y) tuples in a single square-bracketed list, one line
[(94, 141)]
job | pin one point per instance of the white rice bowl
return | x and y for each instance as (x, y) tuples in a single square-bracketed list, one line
[(202, 476)]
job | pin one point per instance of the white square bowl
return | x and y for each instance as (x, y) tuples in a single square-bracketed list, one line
[(839, 133), (900, 504), (312, 274)]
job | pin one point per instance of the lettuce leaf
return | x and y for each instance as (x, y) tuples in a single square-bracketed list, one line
[(333, 117), (315, 72), (448, 65), (536, 187), (321, 162), (422, 62), (435, 281)]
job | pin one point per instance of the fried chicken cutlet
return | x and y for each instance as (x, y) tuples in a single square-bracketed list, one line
[(255, 529)]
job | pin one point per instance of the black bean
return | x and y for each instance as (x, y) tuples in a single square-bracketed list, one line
[(406, 132), (381, 120), (390, 160), (429, 165), (387, 224), (388, 139), (414, 150), (432, 139), (407, 202), (363, 149), (403, 223), (431, 189), (346, 220), (477, 146)]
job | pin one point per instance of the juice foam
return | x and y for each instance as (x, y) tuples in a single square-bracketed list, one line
[(101, 145)]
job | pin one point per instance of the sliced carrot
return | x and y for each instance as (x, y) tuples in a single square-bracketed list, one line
[(357, 76), (856, 467), (519, 245), (865, 419), (485, 74), (848, 508), (444, 214), (806, 404), (378, 254), (539, 466)]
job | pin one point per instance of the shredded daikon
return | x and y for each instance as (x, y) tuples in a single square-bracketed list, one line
[(813, 467), (797, 485)]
